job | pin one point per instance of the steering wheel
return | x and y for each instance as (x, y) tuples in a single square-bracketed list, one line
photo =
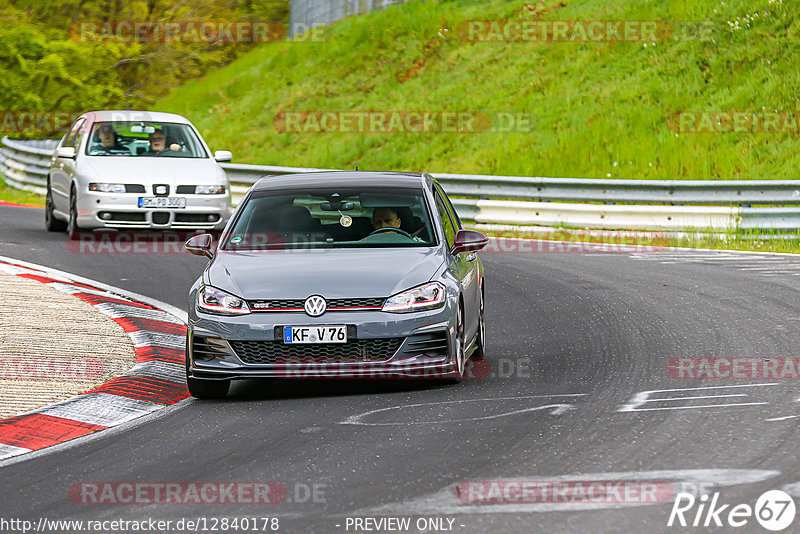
[(390, 229)]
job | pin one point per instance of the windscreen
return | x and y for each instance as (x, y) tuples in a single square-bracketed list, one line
[(144, 139), (331, 218)]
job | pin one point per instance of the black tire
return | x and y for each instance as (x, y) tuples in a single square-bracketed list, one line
[(73, 230), (50, 222), (207, 389), (480, 342), (461, 347)]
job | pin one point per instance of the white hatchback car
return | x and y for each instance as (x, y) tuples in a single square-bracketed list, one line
[(136, 170)]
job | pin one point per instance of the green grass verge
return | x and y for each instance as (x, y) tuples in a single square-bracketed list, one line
[(600, 109), (10, 194), (745, 240)]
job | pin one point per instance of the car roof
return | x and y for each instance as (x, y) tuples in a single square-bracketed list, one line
[(110, 115), (342, 179)]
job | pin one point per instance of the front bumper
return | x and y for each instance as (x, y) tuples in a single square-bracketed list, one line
[(409, 331), (202, 212)]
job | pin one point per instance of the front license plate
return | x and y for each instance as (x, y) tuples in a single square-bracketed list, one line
[(315, 334), (162, 202)]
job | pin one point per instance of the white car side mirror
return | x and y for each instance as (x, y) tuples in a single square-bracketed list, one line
[(66, 152), (223, 155)]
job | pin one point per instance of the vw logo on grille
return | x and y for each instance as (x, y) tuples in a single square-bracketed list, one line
[(315, 305)]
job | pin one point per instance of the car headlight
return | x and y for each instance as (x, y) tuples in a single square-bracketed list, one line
[(218, 302), (209, 190), (107, 188), (424, 297)]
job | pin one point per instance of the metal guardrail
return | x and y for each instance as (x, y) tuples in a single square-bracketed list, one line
[(665, 192), (304, 14), (616, 204), (658, 205), (24, 163)]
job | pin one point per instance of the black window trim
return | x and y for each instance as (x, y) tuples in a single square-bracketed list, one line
[(442, 197), (68, 139), (199, 138), (252, 194)]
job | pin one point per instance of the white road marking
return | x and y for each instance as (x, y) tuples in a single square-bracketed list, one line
[(100, 409), (782, 418), (557, 409), (116, 312), (792, 489), (73, 289), (642, 397), (757, 263), (9, 451), (144, 338), (171, 372)]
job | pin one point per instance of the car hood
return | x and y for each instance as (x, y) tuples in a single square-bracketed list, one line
[(155, 170), (341, 273)]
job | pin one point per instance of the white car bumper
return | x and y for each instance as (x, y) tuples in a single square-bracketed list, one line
[(120, 211)]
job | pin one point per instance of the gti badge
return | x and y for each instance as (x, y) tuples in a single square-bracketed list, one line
[(315, 305)]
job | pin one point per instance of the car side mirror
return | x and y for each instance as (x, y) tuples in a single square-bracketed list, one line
[(66, 152), (200, 245), (469, 241), (223, 155)]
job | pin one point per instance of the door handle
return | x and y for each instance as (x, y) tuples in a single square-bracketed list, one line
[(471, 256)]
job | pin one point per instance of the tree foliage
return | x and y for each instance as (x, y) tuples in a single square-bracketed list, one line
[(49, 66)]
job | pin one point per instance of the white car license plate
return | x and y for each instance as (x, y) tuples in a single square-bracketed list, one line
[(162, 202), (315, 334)]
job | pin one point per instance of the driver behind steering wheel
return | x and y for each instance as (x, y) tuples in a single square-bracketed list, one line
[(385, 218)]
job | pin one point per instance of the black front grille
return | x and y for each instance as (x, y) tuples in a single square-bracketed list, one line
[(133, 188), (434, 344), (276, 352), (206, 349), (160, 217), (186, 189), (356, 303), (121, 216), (297, 304), (277, 304), (195, 218)]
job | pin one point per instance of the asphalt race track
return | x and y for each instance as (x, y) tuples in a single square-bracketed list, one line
[(573, 338)]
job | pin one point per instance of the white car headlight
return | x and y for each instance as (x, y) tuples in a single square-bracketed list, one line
[(107, 188), (218, 302), (209, 190), (424, 297)]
